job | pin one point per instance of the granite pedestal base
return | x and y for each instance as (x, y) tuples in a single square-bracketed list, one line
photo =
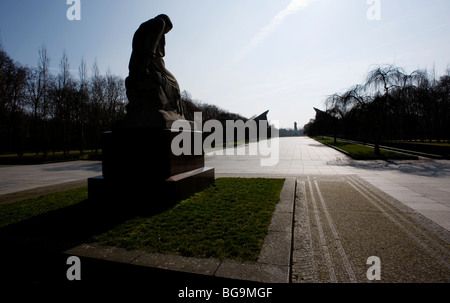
[(128, 153), (141, 171)]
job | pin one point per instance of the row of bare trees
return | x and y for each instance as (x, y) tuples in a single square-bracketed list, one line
[(209, 111), (390, 105), (42, 112)]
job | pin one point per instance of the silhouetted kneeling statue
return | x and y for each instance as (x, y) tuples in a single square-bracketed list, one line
[(140, 169), (153, 92)]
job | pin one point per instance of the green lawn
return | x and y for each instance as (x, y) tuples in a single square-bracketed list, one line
[(26, 209), (426, 142), (227, 221), (432, 143), (363, 152)]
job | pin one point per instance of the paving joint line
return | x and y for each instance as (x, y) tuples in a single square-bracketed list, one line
[(291, 258)]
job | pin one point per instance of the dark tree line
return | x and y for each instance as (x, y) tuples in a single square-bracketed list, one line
[(41, 112), (390, 105), (209, 111), (213, 112)]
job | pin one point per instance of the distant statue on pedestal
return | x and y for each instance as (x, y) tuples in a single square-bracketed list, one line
[(153, 92)]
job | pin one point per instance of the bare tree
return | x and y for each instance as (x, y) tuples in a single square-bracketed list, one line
[(63, 93), (12, 96), (381, 81), (384, 78), (340, 105), (38, 82), (336, 108), (81, 104), (115, 98), (97, 100)]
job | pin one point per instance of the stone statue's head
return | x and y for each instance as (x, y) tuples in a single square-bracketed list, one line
[(167, 20)]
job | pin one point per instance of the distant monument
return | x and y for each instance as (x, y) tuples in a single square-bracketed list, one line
[(263, 118), (138, 163)]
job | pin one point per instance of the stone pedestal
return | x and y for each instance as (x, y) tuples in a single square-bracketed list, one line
[(140, 169)]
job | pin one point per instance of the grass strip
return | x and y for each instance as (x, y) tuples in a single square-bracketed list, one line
[(432, 143), (226, 221), (19, 211), (363, 152)]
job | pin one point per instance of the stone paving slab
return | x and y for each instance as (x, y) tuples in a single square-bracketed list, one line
[(258, 272), (178, 263), (109, 253), (277, 249)]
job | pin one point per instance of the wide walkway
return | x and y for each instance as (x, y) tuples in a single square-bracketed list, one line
[(423, 185), (349, 214), (341, 214), (25, 177)]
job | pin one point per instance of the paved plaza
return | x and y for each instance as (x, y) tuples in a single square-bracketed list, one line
[(423, 185), (334, 214), (25, 177), (347, 211)]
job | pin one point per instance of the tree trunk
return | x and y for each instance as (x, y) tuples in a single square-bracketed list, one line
[(377, 149)]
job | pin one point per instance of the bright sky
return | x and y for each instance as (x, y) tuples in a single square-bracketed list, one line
[(246, 56)]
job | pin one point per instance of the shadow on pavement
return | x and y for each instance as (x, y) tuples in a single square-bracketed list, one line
[(425, 168)]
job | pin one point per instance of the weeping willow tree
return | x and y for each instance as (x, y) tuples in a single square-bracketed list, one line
[(392, 104), (381, 81), (372, 98)]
